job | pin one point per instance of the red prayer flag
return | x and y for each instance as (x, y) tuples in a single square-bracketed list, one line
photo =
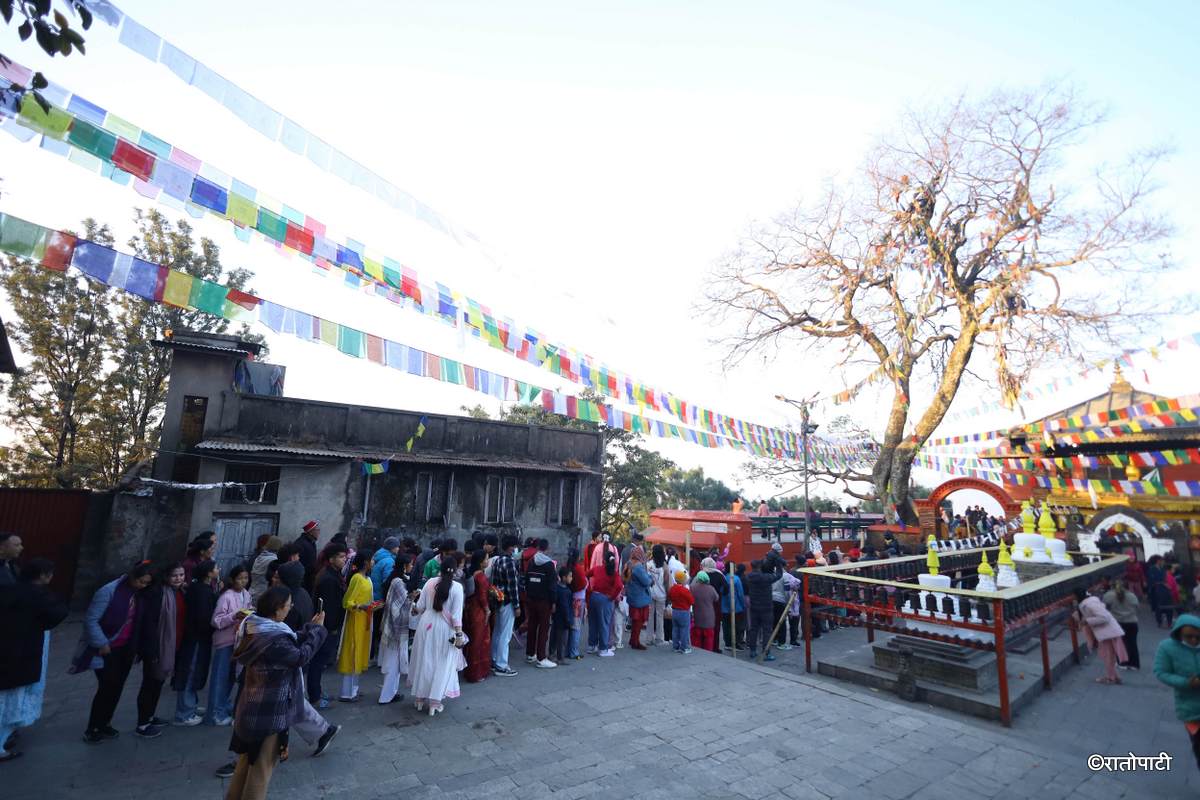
[(374, 349), (298, 238), (59, 249), (133, 159), (246, 301)]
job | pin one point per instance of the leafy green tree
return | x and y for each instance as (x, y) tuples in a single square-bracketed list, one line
[(49, 27), (64, 327), (692, 489), (136, 390), (89, 405)]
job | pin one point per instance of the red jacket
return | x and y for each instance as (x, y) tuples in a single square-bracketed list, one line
[(579, 579), (680, 597), (605, 584)]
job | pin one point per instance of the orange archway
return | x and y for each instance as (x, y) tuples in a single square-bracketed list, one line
[(927, 509)]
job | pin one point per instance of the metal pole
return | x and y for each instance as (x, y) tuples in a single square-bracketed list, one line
[(732, 615), (1001, 661), (804, 436), (1045, 655), (806, 623), (366, 499)]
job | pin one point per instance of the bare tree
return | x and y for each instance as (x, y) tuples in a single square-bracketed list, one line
[(957, 234)]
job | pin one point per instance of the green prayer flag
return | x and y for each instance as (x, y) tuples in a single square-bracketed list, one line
[(208, 296), (271, 225), (90, 139), (391, 277), (21, 238), (350, 341), (452, 371)]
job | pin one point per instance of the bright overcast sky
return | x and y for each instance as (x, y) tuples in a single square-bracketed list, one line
[(607, 153)]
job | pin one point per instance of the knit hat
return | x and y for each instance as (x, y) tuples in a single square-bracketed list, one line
[(702, 577), (390, 542), (311, 525), (680, 576), (708, 563), (777, 547)]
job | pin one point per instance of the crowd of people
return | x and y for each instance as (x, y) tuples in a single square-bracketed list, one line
[(249, 649)]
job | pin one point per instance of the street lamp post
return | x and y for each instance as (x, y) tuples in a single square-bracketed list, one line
[(806, 429)]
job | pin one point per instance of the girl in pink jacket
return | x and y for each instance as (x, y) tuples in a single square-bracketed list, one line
[(1103, 633)]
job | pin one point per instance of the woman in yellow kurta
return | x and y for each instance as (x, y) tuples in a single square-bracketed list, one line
[(354, 652)]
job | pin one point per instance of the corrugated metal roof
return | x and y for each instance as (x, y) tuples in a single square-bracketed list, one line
[(440, 459), (207, 348)]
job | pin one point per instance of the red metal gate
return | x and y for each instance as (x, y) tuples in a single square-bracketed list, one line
[(50, 523)]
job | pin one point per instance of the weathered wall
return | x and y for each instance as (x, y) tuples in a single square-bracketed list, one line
[(125, 528), (298, 422), (329, 493), (198, 375), (391, 509)]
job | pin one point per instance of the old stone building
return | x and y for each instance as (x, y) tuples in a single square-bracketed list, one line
[(291, 460)]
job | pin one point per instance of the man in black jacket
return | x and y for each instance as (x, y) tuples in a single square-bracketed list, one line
[(10, 551), (758, 592), (540, 579), (329, 592), (306, 543), (27, 610)]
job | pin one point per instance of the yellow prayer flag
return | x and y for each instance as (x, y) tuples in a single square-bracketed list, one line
[(178, 288), (242, 210)]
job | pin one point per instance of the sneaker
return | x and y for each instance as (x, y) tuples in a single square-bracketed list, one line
[(783, 647), (93, 736), (687, 650), (349, 699), (504, 672), (159, 722), (531, 659), (227, 770), (147, 731), (325, 739), (109, 732), (591, 651), (222, 722), (606, 653), (324, 704), (194, 719), (769, 657), (545, 663)]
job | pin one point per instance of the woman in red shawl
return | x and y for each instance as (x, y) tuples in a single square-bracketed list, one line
[(475, 621), (1135, 576)]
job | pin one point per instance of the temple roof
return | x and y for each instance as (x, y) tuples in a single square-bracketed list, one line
[(1120, 394)]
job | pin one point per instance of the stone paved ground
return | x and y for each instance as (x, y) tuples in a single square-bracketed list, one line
[(644, 725)]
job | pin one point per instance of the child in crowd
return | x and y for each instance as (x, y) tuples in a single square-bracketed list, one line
[(681, 600), (704, 611), (560, 622)]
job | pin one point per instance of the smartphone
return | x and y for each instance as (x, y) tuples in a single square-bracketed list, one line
[(320, 604)]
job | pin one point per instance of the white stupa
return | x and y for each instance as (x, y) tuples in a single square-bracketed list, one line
[(1006, 575)]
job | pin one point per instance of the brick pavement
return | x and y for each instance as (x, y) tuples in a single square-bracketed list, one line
[(645, 725)]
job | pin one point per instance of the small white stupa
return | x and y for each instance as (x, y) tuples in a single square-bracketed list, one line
[(987, 580), (1056, 549), (1029, 545), (1007, 574)]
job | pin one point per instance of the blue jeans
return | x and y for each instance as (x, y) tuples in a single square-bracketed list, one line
[(502, 634), (600, 612), (186, 699), (681, 629), (220, 684)]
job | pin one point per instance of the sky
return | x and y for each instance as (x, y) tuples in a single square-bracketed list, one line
[(607, 154)]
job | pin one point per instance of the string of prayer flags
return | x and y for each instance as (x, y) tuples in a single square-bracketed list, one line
[(177, 175), (375, 469)]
